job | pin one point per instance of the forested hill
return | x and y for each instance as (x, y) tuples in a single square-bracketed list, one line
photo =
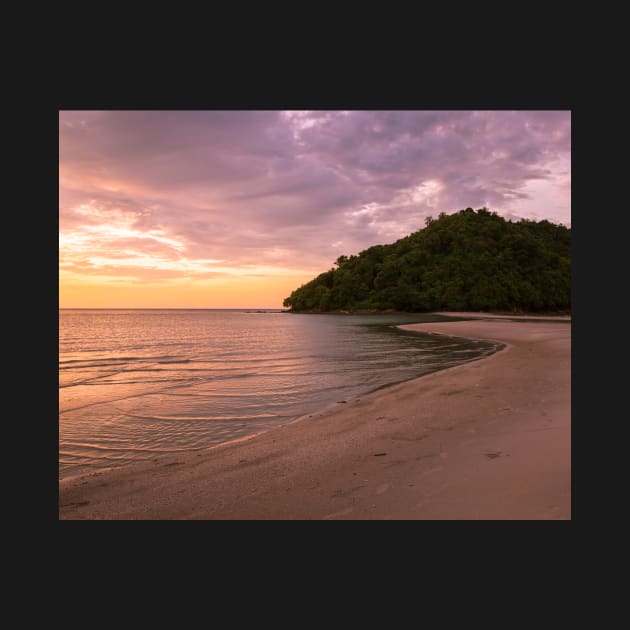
[(464, 261)]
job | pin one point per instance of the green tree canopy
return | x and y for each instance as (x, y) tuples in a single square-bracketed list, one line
[(470, 260)]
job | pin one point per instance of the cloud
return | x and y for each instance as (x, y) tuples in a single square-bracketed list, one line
[(290, 190)]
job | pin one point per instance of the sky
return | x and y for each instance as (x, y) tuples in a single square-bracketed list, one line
[(236, 209)]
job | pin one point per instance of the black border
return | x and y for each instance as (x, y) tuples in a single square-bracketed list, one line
[(410, 541)]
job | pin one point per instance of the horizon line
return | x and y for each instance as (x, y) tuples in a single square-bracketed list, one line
[(168, 308)]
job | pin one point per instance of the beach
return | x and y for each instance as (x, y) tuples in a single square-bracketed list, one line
[(489, 439)]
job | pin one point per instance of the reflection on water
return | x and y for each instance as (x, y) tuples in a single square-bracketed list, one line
[(136, 383)]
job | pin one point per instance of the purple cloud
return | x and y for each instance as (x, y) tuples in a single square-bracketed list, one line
[(291, 189)]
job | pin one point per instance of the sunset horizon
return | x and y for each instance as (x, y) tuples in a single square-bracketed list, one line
[(225, 209), (314, 315)]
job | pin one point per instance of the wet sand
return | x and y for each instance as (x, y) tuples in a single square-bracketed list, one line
[(490, 439)]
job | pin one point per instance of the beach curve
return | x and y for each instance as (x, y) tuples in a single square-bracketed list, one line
[(489, 439)]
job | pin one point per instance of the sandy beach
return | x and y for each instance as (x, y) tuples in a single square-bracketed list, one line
[(490, 439)]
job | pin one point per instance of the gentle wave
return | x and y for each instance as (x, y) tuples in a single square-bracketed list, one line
[(225, 375)]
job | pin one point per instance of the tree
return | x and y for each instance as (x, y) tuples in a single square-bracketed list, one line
[(467, 260)]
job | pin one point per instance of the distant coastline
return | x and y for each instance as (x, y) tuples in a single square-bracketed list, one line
[(248, 309), (372, 311)]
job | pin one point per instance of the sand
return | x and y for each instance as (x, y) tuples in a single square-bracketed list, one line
[(490, 439)]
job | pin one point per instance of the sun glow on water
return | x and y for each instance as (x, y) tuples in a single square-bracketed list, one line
[(137, 384)]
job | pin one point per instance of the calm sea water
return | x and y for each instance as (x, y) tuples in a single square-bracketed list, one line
[(134, 384)]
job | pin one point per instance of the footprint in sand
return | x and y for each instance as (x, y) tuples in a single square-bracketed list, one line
[(76, 504), (493, 455), (336, 514)]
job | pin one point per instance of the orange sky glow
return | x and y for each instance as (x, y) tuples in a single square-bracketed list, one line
[(215, 209)]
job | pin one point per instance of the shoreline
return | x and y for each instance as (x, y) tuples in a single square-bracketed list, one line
[(552, 315), (320, 411), (486, 439)]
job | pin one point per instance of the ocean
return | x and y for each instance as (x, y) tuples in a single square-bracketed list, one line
[(136, 384)]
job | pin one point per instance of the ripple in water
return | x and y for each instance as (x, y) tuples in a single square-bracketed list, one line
[(140, 383)]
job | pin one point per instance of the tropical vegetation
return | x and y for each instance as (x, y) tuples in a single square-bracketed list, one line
[(470, 260)]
